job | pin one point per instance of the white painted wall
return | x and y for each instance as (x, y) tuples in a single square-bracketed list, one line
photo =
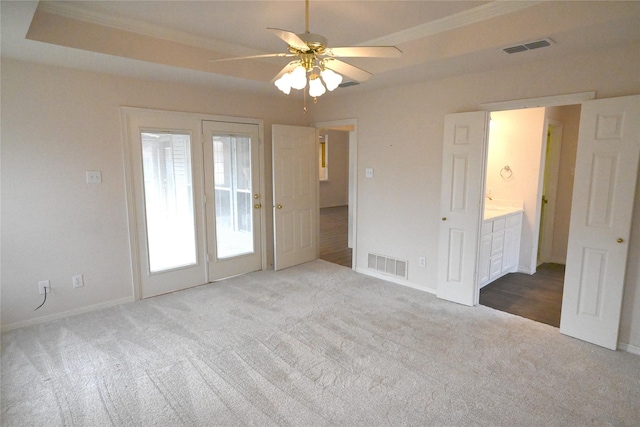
[(56, 124), (515, 140), (400, 132), (335, 191)]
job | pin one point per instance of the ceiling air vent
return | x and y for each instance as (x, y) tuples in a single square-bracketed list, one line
[(528, 46)]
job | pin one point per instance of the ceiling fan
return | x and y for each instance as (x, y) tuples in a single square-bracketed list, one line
[(315, 58)]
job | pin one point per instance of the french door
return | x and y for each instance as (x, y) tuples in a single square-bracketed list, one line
[(194, 199), (165, 152), (233, 199)]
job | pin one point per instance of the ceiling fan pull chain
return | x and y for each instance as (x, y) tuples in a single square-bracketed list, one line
[(304, 105)]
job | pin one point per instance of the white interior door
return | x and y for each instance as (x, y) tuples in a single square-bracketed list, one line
[(603, 194), (166, 167), (233, 199), (464, 151), (549, 190), (295, 195)]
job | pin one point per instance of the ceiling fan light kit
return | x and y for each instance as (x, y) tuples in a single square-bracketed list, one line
[(319, 61), (297, 79)]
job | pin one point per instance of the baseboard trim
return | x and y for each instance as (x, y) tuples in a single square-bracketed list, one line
[(629, 348), (17, 325), (395, 280)]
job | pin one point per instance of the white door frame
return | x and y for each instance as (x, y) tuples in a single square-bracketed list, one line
[(125, 114), (352, 126)]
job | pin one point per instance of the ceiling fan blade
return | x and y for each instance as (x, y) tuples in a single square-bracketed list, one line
[(364, 52), (266, 55), (347, 70), (290, 38), (287, 68)]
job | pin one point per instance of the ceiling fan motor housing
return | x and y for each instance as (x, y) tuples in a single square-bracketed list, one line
[(316, 42)]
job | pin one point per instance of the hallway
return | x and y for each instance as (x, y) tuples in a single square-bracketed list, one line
[(334, 229)]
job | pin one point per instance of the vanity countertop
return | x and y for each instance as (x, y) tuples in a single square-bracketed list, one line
[(493, 212)]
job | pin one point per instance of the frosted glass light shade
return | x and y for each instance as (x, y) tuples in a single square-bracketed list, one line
[(331, 79), (298, 78), (316, 88), (284, 83)]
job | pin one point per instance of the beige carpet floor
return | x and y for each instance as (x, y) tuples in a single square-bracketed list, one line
[(312, 345)]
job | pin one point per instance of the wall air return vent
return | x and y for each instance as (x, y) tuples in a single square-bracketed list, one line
[(537, 44), (386, 265)]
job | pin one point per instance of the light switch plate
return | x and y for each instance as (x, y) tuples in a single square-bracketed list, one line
[(94, 177)]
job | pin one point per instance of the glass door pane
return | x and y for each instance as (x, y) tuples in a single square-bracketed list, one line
[(168, 198), (232, 181)]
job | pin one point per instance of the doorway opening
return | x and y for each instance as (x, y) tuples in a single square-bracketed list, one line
[(337, 174), (537, 147)]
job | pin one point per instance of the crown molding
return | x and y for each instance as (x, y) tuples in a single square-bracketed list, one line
[(457, 20)]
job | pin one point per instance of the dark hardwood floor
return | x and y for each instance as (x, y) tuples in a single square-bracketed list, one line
[(537, 297), (334, 229)]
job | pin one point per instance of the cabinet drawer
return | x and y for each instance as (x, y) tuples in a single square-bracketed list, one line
[(514, 220), (499, 224)]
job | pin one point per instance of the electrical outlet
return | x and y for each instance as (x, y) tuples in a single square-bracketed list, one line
[(78, 281), (422, 261), (44, 284), (94, 177)]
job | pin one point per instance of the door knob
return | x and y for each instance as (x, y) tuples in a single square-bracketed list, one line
[(620, 240), (444, 218), (257, 206), (279, 206)]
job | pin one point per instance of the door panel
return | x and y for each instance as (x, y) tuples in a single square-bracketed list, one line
[(295, 195), (232, 182), (461, 201), (602, 206), (166, 165)]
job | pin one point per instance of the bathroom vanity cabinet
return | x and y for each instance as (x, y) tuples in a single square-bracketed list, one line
[(500, 244)]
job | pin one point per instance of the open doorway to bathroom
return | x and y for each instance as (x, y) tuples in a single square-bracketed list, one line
[(537, 147)]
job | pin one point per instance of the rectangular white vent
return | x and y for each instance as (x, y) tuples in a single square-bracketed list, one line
[(537, 44), (387, 265)]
